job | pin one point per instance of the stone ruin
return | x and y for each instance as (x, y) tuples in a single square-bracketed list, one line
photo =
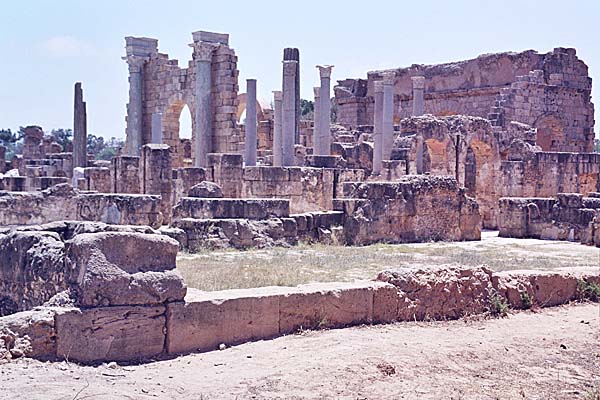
[(417, 154)]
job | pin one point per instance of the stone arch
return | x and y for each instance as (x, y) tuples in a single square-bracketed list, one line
[(241, 101), (170, 127), (550, 132)]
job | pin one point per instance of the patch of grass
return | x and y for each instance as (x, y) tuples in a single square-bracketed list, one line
[(498, 306), (526, 300), (228, 269), (588, 290)]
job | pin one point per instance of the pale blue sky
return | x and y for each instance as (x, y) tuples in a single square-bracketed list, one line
[(46, 46)]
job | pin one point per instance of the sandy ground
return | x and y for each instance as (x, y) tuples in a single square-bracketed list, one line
[(551, 354)]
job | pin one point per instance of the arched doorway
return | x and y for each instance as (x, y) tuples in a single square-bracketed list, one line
[(178, 132)]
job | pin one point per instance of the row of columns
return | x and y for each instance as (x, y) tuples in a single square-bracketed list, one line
[(383, 115)]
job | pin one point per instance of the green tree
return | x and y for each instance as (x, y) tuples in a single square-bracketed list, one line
[(62, 137), (307, 109), (12, 141)]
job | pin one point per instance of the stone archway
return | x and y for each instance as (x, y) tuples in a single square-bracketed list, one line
[(241, 100), (171, 130), (550, 133)]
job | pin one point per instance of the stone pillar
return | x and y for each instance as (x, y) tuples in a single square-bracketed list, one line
[(378, 128), (250, 124), (387, 117), (316, 137), (293, 54), (277, 134), (325, 111), (418, 83), (203, 61), (156, 175), (133, 143), (79, 129), (288, 120), (157, 135)]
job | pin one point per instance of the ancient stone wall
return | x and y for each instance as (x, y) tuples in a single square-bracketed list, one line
[(168, 88), (417, 208), (549, 91), (568, 216), (62, 202)]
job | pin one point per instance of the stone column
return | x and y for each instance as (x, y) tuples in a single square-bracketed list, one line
[(133, 144), (387, 117), (293, 54), (325, 110), (316, 137), (79, 129), (157, 136), (288, 112), (378, 128), (418, 83), (277, 134), (203, 61), (250, 124)]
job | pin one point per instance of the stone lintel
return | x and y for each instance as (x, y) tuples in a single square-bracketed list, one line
[(140, 46), (211, 37)]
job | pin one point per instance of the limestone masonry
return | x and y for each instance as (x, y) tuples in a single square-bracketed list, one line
[(424, 153)]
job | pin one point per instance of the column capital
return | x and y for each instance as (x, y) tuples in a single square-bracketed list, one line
[(317, 91), (289, 67), (277, 95), (203, 51), (388, 78), (378, 86), (325, 70), (135, 62), (418, 82)]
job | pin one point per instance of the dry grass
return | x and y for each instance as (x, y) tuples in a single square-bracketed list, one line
[(218, 270)]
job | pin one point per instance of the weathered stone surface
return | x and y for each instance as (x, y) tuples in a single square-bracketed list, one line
[(447, 292), (542, 288), (30, 333), (204, 208), (62, 202), (32, 269), (206, 189), (208, 319), (417, 208), (117, 268), (326, 305), (111, 333)]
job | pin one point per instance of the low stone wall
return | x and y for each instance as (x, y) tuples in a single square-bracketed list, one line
[(418, 208), (62, 202), (308, 189), (569, 216), (219, 208), (202, 321)]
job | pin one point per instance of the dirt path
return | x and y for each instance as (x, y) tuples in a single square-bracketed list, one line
[(553, 354)]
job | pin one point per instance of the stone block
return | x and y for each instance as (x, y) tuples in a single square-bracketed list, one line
[(326, 305), (207, 319), (126, 333)]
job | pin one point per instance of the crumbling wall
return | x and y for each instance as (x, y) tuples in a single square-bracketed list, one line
[(551, 92), (415, 209), (62, 202)]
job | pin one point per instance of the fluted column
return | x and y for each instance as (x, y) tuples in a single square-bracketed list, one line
[(133, 143), (250, 124), (378, 128), (203, 60), (324, 148), (289, 111), (418, 83), (277, 134), (316, 137), (388, 114)]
